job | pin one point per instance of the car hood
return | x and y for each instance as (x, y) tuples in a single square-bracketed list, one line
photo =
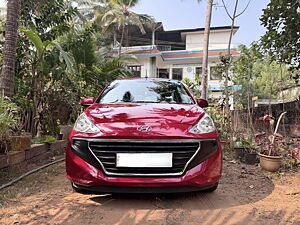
[(145, 113)]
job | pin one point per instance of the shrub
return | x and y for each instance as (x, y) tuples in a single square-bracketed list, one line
[(9, 121)]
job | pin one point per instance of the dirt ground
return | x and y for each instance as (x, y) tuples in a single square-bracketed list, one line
[(245, 196)]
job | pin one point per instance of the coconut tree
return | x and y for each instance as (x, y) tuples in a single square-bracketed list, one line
[(205, 48), (9, 54), (118, 15)]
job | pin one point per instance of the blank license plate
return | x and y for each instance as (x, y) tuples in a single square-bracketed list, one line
[(140, 160)]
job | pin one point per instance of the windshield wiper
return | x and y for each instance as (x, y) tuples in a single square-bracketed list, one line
[(115, 101), (144, 102)]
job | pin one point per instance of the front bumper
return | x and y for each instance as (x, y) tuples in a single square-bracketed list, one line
[(142, 190), (88, 176)]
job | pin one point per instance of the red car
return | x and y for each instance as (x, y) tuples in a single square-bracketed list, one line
[(144, 135)]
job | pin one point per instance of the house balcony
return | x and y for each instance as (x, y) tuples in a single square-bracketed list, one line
[(161, 48), (167, 54)]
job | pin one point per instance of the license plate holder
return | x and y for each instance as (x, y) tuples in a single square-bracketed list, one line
[(144, 160)]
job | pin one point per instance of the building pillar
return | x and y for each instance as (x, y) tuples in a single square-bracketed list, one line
[(153, 68)]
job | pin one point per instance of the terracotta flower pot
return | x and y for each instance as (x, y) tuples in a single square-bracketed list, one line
[(270, 163)]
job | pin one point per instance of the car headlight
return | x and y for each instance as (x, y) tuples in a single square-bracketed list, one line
[(205, 125), (84, 125)]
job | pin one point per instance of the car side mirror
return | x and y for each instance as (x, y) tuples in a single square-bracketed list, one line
[(202, 103), (87, 102)]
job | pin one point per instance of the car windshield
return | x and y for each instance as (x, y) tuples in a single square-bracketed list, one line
[(145, 91)]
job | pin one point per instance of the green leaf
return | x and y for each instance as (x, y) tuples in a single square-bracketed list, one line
[(67, 58), (35, 39)]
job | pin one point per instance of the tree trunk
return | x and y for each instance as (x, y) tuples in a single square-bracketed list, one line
[(115, 39), (9, 53), (205, 49), (122, 38), (127, 36), (229, 55)]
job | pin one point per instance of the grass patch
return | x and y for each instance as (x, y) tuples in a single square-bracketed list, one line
[(41, 140)]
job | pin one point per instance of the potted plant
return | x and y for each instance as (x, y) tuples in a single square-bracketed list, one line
[(8, 123), (244, 149), (271, 147), (240, 145)]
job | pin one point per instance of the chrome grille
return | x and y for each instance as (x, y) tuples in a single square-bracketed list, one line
[(105, 151)]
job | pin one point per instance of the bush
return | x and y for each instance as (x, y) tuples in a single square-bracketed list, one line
[(220, 121), (9, 121)]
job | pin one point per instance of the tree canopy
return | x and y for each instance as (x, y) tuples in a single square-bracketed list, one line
[(281, 18), (61, 57), (259, 75)]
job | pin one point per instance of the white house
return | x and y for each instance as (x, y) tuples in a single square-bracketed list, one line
[(177, 54)]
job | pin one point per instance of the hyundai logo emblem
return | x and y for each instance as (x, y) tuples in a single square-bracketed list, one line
[(145, 128)]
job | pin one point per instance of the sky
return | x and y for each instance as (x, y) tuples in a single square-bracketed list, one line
[(178, 14)]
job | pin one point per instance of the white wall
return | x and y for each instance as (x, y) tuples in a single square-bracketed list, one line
[(218, 40), (144, 62), (189, 70)]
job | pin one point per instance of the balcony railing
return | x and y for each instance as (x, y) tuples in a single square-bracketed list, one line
[(164, 48)]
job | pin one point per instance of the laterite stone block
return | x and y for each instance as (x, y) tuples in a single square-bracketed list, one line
[(3, 161), (16, 157), (36, 150)]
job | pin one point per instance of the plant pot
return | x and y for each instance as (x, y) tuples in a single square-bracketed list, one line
[(270, 163), (239, 152), (59, 137), (250, 158)]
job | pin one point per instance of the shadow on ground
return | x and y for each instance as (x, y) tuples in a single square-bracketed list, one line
[(240, 185), (243, 197)]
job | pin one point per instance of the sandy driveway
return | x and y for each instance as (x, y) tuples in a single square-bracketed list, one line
[(245, 196)]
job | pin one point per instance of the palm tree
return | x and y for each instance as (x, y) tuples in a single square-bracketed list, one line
[(88, 9), (118, 16), (205, 48), (9, 53)]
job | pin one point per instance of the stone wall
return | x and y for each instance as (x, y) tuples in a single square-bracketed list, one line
[(290, 125), (37, 152)]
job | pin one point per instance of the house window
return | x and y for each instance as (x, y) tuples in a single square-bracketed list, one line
[(215, 74), (199, 72), (177, 73), (163, 73), (135, 70)]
